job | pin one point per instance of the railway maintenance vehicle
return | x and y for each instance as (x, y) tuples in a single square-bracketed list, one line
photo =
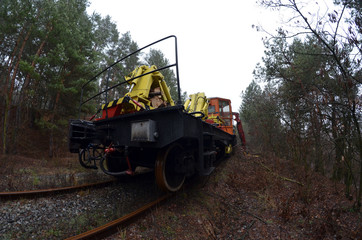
[(146, 128)]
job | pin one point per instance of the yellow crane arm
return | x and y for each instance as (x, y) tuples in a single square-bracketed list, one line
[(149, 91), (198, 104)]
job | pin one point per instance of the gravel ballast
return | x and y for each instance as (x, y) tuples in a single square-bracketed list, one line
[(63, 215)]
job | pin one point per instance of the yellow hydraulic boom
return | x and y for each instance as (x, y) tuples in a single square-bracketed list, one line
[(146, 92), (197, 104), (151, 89)]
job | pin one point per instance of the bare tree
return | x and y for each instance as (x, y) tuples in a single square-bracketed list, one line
[(337, 28)]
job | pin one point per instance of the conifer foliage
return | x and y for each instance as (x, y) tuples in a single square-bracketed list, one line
[(48, 50), (311, 108)]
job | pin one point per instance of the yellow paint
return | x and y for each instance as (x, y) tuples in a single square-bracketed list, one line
[(228, 149), (141, 87), (197, 103)]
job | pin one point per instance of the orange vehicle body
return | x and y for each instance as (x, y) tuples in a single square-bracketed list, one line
[(221, 114)]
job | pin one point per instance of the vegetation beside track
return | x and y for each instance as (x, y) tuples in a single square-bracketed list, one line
[(27, 173), (244, 200), (250, 197)]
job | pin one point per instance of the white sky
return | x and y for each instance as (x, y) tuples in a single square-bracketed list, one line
[(217, 47)]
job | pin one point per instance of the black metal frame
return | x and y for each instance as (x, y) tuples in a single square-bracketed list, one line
[(173, 125), (121, 83), (168, 125)]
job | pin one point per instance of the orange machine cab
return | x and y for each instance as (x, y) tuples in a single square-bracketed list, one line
[(221, 114)]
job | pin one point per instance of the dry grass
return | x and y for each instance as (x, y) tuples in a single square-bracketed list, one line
[(243, 200)]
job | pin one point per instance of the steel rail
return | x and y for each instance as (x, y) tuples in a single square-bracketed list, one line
[(51, 190), (110, 226)]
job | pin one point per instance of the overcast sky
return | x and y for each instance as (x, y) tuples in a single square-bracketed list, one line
[(217, 46)]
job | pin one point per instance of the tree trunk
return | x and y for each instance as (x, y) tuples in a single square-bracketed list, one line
[(52, 119), (6, 86), (9, 95), (358, 144), (37, 54), (23, 94), (339, 145)]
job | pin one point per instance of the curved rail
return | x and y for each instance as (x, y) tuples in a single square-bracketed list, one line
[(31, 193), (102, 230)]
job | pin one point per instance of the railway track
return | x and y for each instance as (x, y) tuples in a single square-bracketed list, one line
[(33, 193), (61, 215), (111, 227)]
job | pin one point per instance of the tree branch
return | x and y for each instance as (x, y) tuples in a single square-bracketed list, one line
[(277, 175), (339, 20)]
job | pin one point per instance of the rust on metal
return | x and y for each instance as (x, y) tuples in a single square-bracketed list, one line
[(50, 190), (91, 234)]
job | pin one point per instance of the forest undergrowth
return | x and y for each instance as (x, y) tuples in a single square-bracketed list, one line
[(253, 197), (249, 196)]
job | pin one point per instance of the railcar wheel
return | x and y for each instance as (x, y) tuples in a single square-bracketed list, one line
[(88, 157), (167, 168)]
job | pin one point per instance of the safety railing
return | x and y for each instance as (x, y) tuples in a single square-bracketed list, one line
[(175, 64)]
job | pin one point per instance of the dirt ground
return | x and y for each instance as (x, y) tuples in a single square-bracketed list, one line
[(253, 197), (28, 173), (247, 197)]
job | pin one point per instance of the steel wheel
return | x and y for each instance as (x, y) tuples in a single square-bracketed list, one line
[(88, 157), (167, 169)]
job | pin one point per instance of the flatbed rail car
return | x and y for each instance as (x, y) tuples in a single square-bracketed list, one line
[(136, 131)]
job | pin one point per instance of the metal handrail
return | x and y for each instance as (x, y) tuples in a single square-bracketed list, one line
[(126, 81)]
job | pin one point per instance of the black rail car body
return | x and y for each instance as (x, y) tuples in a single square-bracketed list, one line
[(175, 143)]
